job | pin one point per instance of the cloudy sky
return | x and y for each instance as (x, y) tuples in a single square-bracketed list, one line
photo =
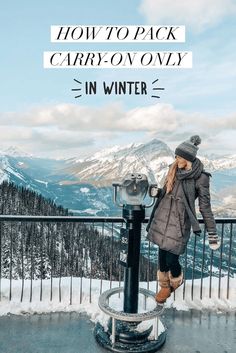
[(38, 111)]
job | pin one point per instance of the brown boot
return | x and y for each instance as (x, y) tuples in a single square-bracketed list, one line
[(165, 291), (175, 282)]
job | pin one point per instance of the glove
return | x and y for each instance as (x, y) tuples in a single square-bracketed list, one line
[(214, 241)]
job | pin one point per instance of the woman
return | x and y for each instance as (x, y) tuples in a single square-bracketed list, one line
[(174, 215)]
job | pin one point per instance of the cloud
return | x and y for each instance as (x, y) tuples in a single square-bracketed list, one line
[(66, 116), (223, 123), (158, 117), (74, 128), (221, 142), (58, 139), (199, 14), (40, 140)]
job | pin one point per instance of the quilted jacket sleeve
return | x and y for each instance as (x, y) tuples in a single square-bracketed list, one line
[(160, 195), (203, 192)]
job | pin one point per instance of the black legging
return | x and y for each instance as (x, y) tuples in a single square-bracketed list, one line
[(169, 261)]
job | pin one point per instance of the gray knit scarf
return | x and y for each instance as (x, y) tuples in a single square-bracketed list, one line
[(187, 179)]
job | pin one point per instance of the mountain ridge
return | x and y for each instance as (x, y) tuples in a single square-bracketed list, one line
[(64, 181)]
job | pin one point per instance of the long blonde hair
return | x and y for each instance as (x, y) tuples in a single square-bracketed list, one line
[(170, 178)]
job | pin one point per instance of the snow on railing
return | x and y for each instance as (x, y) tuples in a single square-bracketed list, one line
[(51, 263)]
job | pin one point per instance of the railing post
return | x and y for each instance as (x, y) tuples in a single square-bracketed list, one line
[(134, 217)]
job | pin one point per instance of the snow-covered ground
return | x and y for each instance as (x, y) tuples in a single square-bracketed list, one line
[(76, 289)]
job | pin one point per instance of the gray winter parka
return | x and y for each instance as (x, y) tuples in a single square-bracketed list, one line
[(169, 224)]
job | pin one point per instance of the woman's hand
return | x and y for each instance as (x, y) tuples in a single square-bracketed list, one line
[(214, 241)]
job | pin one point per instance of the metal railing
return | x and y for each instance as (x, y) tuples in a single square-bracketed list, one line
[(53, 247)]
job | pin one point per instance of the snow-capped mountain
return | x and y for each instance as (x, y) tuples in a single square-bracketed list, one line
[(219, 163), (14, 151), (108, 165), (85, 185), (150, 158)]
